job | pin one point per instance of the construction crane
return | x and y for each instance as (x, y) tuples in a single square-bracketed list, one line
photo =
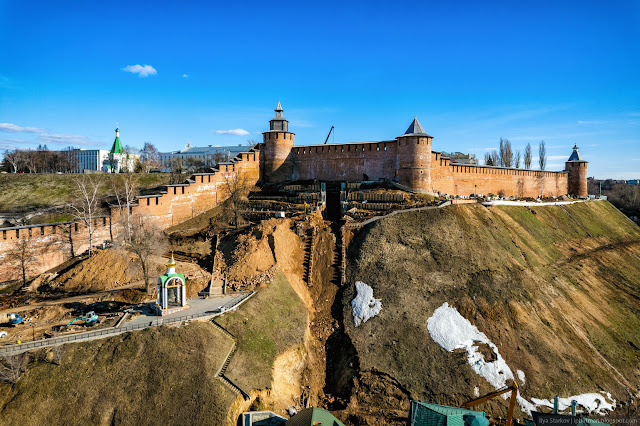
[(513, 388), (327, 139)]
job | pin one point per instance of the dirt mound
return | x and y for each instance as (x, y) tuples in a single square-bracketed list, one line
[(268, 244), (556, 289), (105, 270)]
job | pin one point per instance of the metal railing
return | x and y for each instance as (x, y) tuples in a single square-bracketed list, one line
[(112, 331)]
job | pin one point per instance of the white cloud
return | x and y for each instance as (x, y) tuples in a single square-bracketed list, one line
[(185, 75), (141, 70), (237, 132), (593, 122), (13, 128)]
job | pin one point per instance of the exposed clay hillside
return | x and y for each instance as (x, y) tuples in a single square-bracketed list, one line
[(556, 288)]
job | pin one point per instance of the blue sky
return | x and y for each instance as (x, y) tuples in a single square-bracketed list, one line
[(565, 72)]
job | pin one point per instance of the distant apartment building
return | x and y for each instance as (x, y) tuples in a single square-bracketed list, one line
[(460, 158), (209, 155), (90, 159)]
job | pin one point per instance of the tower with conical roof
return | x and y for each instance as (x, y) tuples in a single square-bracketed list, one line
[(414, 157), (576, 169), (278, 144), (117, 145)]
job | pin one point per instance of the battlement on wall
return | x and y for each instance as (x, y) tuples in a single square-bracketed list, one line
[(54, 242), (14, 233), (354, 147), (199, 193)]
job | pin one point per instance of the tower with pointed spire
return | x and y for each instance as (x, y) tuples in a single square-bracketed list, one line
[(576, 169), (277, 163), (118, 159), (414, 157)]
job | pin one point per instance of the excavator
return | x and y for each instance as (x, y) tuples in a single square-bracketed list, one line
[(510, 387), (90, 319)]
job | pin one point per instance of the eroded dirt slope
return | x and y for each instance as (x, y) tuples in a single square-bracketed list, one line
[(557, 289)]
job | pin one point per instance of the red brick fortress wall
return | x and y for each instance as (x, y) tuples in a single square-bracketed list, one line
[(277, 165), (458, 179), (577, 178), (201, 192), (414, 162), (177, 204), (345, 162), (49, 244)]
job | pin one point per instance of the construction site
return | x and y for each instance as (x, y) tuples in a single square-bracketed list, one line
[(377, 305)]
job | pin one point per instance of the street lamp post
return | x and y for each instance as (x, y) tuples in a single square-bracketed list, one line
[(33, 329)]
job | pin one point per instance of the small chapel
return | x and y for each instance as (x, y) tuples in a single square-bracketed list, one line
[(172, 291)]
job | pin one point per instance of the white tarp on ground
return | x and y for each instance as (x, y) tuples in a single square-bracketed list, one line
[(452, 331), (364, 306)]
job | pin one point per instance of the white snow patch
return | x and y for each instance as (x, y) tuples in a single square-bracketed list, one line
[(452, 331), (521, 376), (593, 402), (476, 391), (364, 306)]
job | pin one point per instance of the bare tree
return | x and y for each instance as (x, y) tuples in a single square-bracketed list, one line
[(23, 252), (251, 142), (542, 155), (175, 167), (193, 164), (147, 239), (30, 162), (527, 156), (150, 157), (235, 185), (495, 159), (87, 208), (125, 189), (516, 161), (506, 154), (487, 159), (12, 367), (12, 158)]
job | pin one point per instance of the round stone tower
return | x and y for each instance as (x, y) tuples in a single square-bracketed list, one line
[(278, 143), (414, 158), (577, 174)]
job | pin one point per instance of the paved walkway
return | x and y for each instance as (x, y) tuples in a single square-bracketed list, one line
[(198, 306), (202, 309)]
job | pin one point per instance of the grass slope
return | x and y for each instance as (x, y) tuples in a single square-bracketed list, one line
[(162, 375), (26, 192), (556, 288), (266, 325)]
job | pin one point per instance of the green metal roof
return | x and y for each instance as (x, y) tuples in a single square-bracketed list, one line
[(313, 416), (166, 277), (426, 414), (117, 145)]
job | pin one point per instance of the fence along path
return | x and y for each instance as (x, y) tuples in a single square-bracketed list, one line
[(112, 331)]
